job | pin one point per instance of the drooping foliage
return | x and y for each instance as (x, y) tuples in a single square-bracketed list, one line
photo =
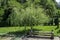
[(26, 12)]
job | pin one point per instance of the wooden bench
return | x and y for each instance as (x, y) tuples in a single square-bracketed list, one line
[(42, 34)]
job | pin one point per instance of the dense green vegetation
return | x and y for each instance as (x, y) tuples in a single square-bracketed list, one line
[(27, 12)]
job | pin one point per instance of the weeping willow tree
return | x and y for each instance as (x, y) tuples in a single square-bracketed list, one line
[(28, 12), (28, 16)]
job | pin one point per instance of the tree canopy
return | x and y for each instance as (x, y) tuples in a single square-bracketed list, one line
[(27, 12)]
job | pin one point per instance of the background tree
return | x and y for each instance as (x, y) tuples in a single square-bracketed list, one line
[(28, 12)]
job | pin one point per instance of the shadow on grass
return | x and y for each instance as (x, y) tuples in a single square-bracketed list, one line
[(18, 33), (58, 31), (56, 28), (37, 29)]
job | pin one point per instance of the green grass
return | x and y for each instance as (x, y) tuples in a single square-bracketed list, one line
[(48, 28), (42, 28), (10, 29)]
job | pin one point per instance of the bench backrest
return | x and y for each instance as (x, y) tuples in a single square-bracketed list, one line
[(43, 33)]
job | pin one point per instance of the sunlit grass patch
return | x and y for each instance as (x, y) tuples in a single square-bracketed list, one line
[(40, 28)]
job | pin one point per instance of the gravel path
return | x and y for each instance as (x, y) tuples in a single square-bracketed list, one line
[(6, 38), (55, 38), (17, 38)]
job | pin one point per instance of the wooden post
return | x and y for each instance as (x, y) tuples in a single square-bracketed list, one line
[(52, 34)]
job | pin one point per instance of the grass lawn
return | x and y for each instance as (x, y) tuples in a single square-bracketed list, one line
[(48, 28), (14, 29)]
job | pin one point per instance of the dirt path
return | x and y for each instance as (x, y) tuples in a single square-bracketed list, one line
[(6, 38), (55, 38), (17, 38)]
